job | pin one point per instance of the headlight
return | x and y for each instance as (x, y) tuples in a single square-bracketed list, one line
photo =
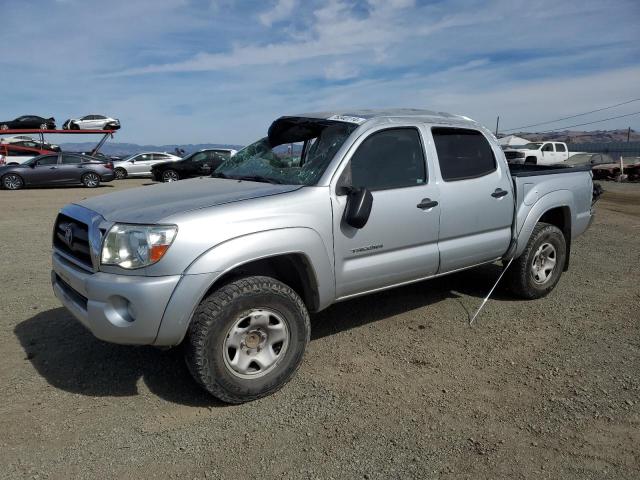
[(136, 246)]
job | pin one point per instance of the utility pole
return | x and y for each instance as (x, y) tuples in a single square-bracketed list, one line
[(628, 134), (497, 124)]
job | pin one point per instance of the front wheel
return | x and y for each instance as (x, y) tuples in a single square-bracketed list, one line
[(247, 339), (11, 181), (537, 271), (90, 180), (170, 176)]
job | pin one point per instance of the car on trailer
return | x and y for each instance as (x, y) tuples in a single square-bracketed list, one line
[(26, 122), (92, 122), (57, 169)]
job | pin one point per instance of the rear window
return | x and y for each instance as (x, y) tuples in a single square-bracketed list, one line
[(560, 147), (463, 153)]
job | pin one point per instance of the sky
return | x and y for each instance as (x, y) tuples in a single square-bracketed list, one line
[(219, 71)]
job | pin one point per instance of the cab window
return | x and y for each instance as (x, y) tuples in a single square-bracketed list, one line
[(548, 147), (463, 153), (392, 158)]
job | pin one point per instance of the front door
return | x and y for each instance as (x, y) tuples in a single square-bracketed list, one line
[(45, 171), (476, 199), (399, 242)]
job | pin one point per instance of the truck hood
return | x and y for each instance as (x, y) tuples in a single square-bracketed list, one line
[(152, 203)]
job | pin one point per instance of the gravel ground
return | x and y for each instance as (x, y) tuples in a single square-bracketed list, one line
[(394, 385)]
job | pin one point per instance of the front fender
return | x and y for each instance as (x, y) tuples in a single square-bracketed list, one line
[(202, 274), (528, 218)]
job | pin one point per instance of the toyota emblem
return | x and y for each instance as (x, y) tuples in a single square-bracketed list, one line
[(68, 235)]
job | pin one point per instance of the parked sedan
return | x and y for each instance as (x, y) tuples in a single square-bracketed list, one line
[(197, 164), (139, 165), (92, 122), (57, 169), (29, 122)]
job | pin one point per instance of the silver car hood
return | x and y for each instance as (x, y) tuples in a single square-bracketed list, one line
[(152, 203)]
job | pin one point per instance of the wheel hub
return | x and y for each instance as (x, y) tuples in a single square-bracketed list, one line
[(255, 343), (544, 263)]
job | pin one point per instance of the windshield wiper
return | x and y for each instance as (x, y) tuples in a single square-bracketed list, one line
[(250, 178)]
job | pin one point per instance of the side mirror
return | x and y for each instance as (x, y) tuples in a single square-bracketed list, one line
[(132, 161), (358, 209)]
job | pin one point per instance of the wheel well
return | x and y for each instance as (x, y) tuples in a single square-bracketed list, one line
[(561, 218), (293, 269), (531, 160)]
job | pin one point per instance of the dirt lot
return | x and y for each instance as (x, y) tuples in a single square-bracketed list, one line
[(394, 385)]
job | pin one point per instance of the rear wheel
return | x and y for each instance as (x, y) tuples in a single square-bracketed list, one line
[(12, 181), (120, 173), (91, 180), (170, 176), (537, 271), (247, 339)]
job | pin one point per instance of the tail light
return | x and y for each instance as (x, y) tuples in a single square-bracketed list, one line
[(109, 165)]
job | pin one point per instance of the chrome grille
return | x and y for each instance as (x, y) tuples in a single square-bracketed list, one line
[(511, 155), (71, 237)]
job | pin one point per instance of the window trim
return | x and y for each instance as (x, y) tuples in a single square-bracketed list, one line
[(364, 137), (471, 177)]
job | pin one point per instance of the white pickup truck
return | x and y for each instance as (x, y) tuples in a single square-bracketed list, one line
[(538, 153)]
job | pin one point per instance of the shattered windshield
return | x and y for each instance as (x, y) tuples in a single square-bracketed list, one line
[(297, 151)]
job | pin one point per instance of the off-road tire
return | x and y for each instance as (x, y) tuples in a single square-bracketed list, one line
[(211, 322), (520, 278), (120, 173)]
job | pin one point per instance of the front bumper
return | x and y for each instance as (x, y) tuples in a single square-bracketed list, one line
[(123, 309)]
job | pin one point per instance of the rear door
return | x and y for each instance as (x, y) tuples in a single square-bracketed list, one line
[(71, 168), (399, 242), (476, 198), (561, 152)]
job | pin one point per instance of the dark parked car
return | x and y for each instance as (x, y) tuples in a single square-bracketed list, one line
[(29, 122), (198, 164), (57, 169)]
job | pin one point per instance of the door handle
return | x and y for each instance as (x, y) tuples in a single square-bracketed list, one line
[(426, 204), (499, 193)]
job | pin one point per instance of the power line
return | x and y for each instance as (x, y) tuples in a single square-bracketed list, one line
[(573, 116), (590, 123)]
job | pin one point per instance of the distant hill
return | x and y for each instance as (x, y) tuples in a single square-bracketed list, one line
[(573, 136), (114, 148)]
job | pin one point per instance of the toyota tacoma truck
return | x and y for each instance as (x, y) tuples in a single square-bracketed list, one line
[(327, 207), (538, 153)]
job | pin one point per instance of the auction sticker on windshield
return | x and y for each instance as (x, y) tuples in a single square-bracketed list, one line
[(347, 118)]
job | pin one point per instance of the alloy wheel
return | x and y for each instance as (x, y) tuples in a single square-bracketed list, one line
[(544, 263), (12, 182)]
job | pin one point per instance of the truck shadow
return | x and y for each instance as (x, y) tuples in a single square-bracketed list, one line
[(70, 358)]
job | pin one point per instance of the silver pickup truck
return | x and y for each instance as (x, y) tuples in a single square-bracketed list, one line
[(327, 207)]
